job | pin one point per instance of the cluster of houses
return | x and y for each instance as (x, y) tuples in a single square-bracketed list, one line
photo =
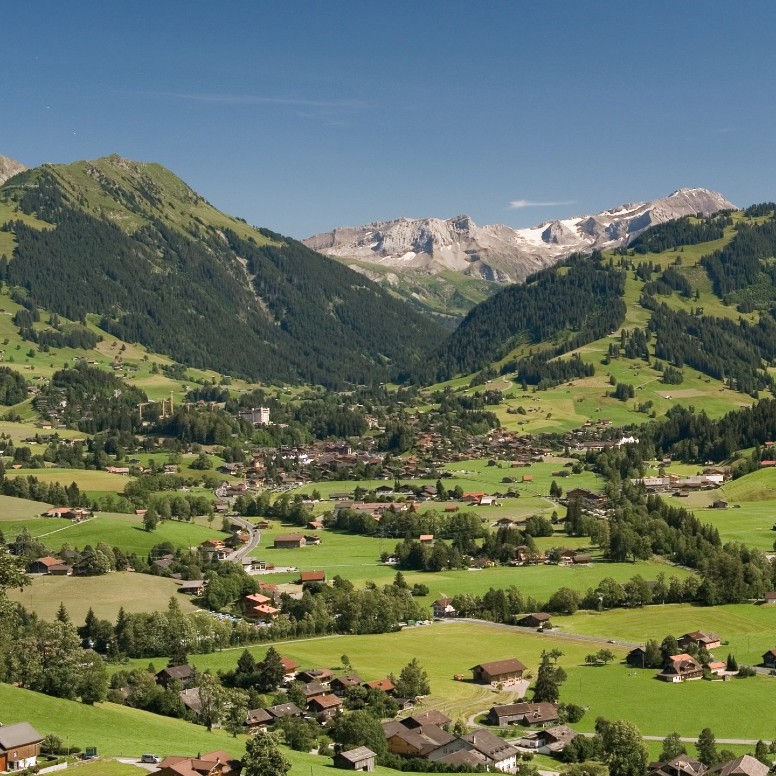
[(684, 765), (684, 666), (710, 479)]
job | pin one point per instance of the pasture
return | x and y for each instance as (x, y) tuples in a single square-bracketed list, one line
[(104, 594), (115, 529), (615, 691), (357, 558)]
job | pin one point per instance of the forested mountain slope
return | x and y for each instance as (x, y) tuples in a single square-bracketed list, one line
[(134, 244)]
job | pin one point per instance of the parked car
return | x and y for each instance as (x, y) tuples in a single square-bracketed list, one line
[(150, 758)]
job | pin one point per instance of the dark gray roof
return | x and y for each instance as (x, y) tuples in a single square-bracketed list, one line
[(19, 734)]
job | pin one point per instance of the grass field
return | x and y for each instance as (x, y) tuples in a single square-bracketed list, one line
[(121, 731), (357, 558), (105, 594), (746, 630), (615, 691), (117, 530)]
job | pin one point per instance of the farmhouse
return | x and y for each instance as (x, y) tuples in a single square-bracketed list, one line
[(192, 587), (536, 620), (769, 658), (184, 674), (683, 765), (290, 667), (431, 717), (43, 565), (322, 675), (209, 764), (257, 719), (418, 742), (341, 684), (498, 672), (283, 710), (289, 541), (386, 685), (325, 707), (312, 576), (535, 714), (19, 746), (497, 752), (741, 766), (443, 607), (548, 741), (360, 759), (681, 668), (700, 639)]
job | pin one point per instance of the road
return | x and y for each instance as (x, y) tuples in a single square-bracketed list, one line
[(253, 542)]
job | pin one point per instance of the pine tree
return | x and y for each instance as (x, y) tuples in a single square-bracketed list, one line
[(707, 748)]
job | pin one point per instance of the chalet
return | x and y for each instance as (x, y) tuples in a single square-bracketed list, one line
[(314, 525), (386, 685), (360, 759), (637, 658), (290, 667), (431, 717), (498, 672), (528, 478), (312, 576), (700, 639), (19, 746), (341, 684), (192, 587), (681, 668), (325, 707), (209, 764), (184, 674), (549, 741), (311, 540), (580, 494), (443, 607), (289, 541), (117, 470), (683, 765), (65, 570), (322, 675), (746, 765), (770, 598), (426, 538), (283, 710), (536, 620), (769, 658), (257, 719), (43, 565), (535, 714), (717, 667), (249, 605), (69, 513), (498, 753), (192, 701), (418, 742)]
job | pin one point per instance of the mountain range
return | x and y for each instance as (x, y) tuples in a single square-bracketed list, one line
[(405, 253)]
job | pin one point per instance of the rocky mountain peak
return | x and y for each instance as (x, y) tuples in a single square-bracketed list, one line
[(8, 168)]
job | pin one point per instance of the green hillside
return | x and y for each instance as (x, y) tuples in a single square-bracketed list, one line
[(686, 315), (133, 244)]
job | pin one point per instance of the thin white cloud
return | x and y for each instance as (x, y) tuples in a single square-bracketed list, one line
[(256, 99), (518, 204)]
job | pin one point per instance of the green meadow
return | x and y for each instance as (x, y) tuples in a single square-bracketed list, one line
[(115, 529), (615, 691), (104, 594)]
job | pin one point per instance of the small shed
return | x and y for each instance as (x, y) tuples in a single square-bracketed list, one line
[(360, 759)]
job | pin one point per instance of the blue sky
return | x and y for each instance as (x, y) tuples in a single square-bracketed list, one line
[(303, 116)]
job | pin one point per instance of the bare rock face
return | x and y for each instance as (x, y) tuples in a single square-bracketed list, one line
[(500, 253), (9, 168)]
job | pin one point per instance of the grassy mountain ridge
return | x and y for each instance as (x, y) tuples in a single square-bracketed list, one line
[(675, 331), (133, 243)]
